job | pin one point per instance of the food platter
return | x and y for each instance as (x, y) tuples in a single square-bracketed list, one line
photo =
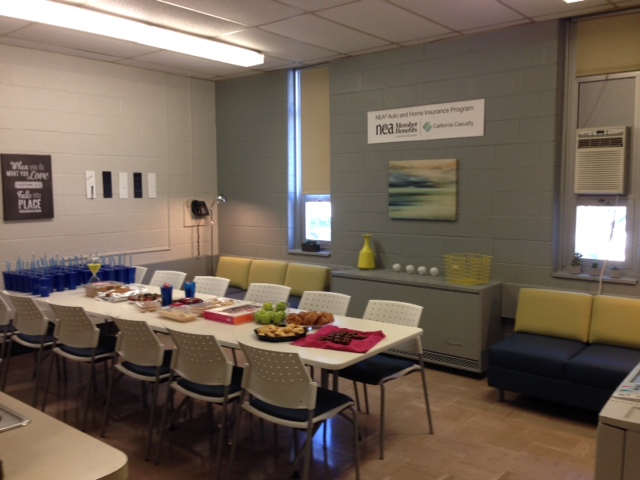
[(281, 333), (179, 314)]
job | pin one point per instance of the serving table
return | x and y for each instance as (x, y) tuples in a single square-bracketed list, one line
[(47, 448), (230, 335)]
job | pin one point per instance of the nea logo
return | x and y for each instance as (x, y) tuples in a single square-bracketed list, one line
[(384, 129)]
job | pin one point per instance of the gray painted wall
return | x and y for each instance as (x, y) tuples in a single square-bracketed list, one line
[(508, 180)]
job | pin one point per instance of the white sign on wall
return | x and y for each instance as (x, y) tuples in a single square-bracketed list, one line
[(427, 122)]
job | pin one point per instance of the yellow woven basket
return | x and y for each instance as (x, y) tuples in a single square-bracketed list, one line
[(467, 268)]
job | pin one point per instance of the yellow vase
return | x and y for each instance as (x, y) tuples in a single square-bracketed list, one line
[(366, 259)]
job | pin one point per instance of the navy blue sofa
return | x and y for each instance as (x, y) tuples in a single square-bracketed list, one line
[(568, 347)]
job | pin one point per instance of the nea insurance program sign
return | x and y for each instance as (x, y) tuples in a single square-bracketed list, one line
[(427, 122)]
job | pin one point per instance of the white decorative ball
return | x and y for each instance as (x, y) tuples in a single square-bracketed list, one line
[(397, 267), (422, 270), (410, 269), (433, 271)]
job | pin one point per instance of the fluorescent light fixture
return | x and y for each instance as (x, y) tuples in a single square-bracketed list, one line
[(572, 1), (89, 21)]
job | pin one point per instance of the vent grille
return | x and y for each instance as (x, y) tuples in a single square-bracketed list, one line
[(601, 142), (442, 359), (601, 161)]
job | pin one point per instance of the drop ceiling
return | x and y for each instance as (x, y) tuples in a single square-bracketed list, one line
[(290, 33)]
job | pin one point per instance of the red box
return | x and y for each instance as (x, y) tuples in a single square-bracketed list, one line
[(233, 314)]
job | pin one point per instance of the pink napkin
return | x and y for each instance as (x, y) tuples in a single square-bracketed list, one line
[(356, 345)]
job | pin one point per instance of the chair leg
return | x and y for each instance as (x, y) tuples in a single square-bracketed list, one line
[(381, 421), (366, 398), (221, 438), (47, 386), (92, 385), (356, 446), (154, 400), (39, 356), (236, 433), (426, 399), (5, 369), (355, 389), (107, 403), (168, 399)]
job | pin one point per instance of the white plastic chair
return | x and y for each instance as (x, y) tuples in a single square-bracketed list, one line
[(200, 370), (319, 301), (140, 273), (142, 357), (277, 387), (211, 285), (33, 330), (267, 292), (382, 368), (172, 277), (79, 340)]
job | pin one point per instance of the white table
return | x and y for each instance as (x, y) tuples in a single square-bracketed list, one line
[(47, 448), (230, 335)]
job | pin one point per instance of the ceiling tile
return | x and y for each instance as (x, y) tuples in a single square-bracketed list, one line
[(248, 12), (277, 46), (323, 33), (384, 20), (462, 14)]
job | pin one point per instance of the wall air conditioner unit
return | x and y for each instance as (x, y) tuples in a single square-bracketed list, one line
[(601, 161)]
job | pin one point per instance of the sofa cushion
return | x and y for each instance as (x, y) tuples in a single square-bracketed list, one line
[(267, 271), (602, 365), (301, 277), (535, 354), (236, 269), (615, 321), (554, 313)]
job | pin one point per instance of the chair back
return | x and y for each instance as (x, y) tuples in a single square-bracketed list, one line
[(278, 378), (200, 359), (399, 313), (211, 285), (137, 343), (332, 302), (267, 292), (74, 327), (6, 312), (29, 318), (140, 273), (172, 277)]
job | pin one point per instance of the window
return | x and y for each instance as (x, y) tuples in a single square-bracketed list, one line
[(601, 232), (600, 227), (310, 199)]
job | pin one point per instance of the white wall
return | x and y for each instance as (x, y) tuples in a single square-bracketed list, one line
[(91, 115)]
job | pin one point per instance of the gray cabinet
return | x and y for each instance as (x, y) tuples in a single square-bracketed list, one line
[(459, 322)]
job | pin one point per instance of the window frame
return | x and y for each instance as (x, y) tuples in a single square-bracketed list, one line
[(570, 200), (297, 199)]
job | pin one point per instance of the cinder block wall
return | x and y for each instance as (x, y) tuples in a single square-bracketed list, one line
[(98, 116), (508, 180)]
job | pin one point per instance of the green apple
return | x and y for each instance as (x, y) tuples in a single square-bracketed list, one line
[(281, 306), (267, 306)]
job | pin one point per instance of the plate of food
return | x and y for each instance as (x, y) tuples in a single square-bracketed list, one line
[(280, 333), (310, 319), (179, 314)]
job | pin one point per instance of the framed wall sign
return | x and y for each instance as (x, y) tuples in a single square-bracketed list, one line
[(27, 186)]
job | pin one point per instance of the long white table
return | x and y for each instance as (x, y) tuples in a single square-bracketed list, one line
[(47, 448), (230, 335)]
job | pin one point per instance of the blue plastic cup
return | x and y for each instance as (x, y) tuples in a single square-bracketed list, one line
[(131, 275), (189, 289), (167, 295)]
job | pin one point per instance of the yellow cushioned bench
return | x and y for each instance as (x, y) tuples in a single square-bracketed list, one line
[(242, 272)]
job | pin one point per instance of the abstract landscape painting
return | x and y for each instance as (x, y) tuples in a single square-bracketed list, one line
[(423, 189)]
